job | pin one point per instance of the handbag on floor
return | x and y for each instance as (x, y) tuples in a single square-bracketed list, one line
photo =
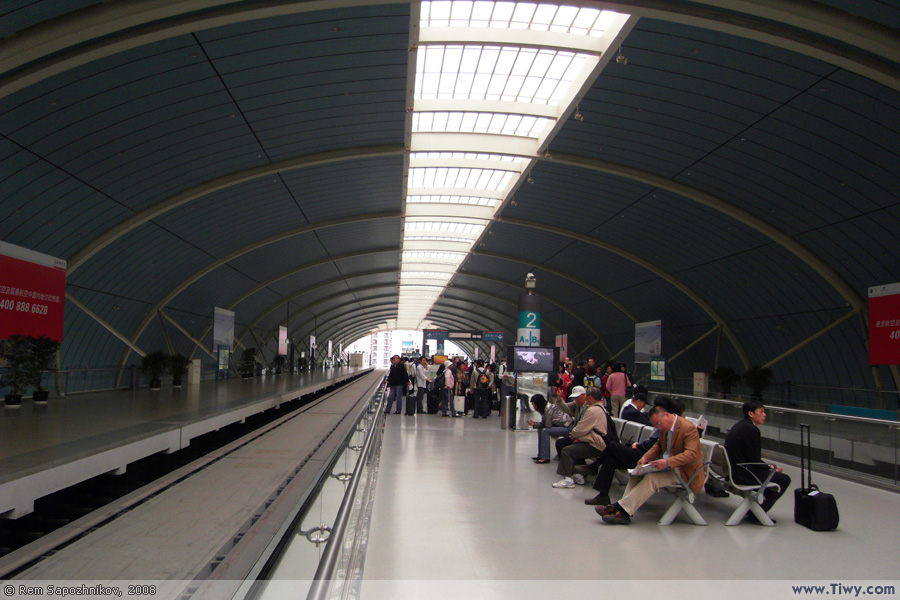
[(812, 508)]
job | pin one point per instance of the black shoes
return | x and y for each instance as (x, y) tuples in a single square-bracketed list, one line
[(598, 500)]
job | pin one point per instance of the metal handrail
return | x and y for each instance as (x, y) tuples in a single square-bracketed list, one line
[(328, 563), (784, 409)]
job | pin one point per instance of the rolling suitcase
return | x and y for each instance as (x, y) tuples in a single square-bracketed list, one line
[(433, 401), (812, 508)]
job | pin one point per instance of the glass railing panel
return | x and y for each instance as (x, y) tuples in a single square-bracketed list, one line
[(842, 445)]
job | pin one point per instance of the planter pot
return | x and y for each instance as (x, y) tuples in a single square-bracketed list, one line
[(13, 400), (155, 384), (41, 396)]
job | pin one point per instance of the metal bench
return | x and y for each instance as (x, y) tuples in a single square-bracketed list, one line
[(751, 494)]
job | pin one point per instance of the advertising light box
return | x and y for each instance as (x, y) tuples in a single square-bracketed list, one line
[(884, 324), (32, 293)]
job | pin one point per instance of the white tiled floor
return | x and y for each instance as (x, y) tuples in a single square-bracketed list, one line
[(460, 499)]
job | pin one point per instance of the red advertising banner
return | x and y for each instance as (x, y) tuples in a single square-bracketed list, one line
[(32, 293), (884, 324)]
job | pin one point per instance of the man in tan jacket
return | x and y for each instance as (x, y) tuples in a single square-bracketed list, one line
[(587, 438), (678, 447)]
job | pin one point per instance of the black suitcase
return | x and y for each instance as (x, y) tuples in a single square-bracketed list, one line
[(812, 508), (433, 402)]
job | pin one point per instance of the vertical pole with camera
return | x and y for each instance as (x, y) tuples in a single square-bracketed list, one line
[(528, 334)]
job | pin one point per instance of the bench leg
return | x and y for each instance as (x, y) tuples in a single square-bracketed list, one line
[(738, 515), (682, 504), (761, 515)]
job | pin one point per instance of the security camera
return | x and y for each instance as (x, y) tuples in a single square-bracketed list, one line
[(530, 281)]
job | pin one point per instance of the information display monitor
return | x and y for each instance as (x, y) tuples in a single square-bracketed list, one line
[(537, 359)]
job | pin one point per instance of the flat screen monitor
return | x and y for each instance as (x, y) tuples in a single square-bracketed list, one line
[(538, 359)]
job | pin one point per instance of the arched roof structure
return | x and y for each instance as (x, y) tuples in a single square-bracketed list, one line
[(727, 167)]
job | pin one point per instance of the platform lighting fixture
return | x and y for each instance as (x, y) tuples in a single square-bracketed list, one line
[(620, 58)]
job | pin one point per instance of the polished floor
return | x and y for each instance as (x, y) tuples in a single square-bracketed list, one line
[(459, 501)]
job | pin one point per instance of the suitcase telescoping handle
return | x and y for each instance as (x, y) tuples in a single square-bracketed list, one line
[(805, 459)]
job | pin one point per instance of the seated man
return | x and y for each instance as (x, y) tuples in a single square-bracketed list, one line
[(615, 456), (633, 411), (575, 407), (744, 445), (587, 440), (678, 447)]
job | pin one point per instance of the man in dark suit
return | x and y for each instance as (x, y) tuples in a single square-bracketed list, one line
[(744, 445), (678, 447), (633, 411)]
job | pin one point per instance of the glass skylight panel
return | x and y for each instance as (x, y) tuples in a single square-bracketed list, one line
[(443, 227), (515, 15), (464, 200), (510, 74), (435, 238), (425, 274), (445, 258), (466, 156), (456, 177), (472, 122)]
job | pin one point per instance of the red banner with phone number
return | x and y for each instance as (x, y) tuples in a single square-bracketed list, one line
[(884, 324), (32, 293)]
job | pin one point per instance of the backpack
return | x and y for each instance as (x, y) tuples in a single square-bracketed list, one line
[(611, 434), (591, 381), (483, 379), (438, 382)]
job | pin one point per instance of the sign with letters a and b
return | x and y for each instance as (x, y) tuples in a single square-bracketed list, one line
[(32, 293), (529, 330)]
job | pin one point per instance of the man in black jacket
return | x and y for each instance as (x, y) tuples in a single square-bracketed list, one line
[(744, 445), (397, 380)]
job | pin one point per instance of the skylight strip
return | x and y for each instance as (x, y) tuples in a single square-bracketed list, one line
[(436, 238), (462, 178), (526, 16), (488, 123), (462, 200), (466, 156)]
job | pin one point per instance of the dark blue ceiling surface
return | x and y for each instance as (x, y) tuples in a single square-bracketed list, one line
[(715, 182)]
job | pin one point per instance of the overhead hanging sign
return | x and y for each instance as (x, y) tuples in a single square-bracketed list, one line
[(282, 340), (884, 324), (223, 329), (647, 341), (32, 293)]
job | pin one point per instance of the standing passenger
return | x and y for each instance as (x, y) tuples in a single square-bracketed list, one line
[(396, 381), (480, 380)]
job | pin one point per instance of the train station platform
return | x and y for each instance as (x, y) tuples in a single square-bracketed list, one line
[(460, 510), (48, 447)]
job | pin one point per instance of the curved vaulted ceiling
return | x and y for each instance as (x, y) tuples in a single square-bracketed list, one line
[(727, 167)]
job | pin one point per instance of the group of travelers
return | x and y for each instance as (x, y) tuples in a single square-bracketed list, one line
[(415, 381), (580, 418)]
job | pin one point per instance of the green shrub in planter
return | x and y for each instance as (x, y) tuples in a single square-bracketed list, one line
[(179, 363), (154, 366)]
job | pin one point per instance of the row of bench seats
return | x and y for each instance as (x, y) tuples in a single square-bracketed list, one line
[(716, 471)]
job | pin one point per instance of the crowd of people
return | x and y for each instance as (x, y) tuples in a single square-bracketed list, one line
[(585, 399), (578, 416), (418, 383)]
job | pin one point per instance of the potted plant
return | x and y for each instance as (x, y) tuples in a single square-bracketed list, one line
[(16, 355), (279, 363), (727, 377), (178, 364), (248, 362), (154, 365), (43, 357), (758, 378)]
